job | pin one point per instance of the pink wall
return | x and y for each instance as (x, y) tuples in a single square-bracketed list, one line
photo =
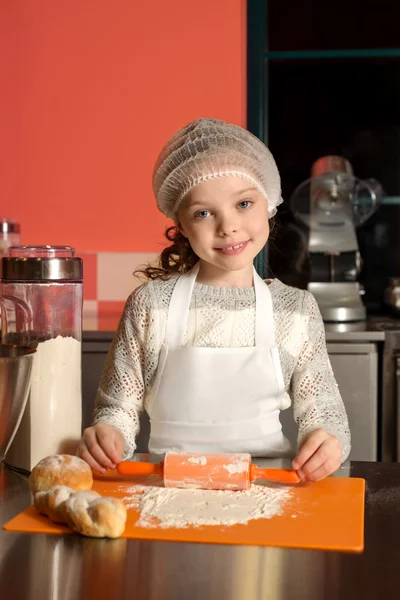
[(90, 90)]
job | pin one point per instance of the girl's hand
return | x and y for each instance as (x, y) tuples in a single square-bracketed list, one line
[(319, 456), (102, 447)]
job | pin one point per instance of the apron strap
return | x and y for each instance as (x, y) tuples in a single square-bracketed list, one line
[(179, 306), (265, 326)]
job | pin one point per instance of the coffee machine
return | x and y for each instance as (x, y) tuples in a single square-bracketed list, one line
[(332, 204)]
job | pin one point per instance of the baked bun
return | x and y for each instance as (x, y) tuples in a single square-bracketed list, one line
[(61, 469), (50, 502), (108, 516), (90, 514)]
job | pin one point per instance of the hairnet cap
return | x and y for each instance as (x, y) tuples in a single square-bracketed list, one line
[(209, 148)]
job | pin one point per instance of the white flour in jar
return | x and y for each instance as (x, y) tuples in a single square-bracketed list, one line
[(172, 507), (52, 419)]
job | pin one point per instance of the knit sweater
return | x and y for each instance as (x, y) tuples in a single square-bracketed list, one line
[(222, 317)]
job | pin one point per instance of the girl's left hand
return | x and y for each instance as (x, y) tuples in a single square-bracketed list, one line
[(319, 456)]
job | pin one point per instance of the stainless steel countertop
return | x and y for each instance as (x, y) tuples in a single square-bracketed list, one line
[(48, 567)]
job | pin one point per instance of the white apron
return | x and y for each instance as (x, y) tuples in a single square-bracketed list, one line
[(217, 399)]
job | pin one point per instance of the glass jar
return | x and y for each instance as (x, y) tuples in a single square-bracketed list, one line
[(9, 235)]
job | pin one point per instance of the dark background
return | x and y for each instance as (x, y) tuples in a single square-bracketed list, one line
[(332, 86)]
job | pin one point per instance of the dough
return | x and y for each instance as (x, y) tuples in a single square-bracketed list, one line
[(61, 486), (51, 501), (90, 514), (85, 512), (61, 469)]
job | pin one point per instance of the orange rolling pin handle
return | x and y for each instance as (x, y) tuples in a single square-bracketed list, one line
[(279, 475), (140, 468)]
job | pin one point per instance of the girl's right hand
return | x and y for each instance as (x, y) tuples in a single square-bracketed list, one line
[(102, 447)]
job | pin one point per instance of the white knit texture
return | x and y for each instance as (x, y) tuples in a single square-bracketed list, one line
[(208, 149), (222, 317)]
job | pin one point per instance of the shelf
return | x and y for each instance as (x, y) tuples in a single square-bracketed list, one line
[(391, 201), (326, 54)]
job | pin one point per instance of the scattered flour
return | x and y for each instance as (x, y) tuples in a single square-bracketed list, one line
[(170, 507), (241, 467), (198, 460)]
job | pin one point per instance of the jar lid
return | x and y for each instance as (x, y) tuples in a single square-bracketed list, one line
[(42, 269), (9, 225)]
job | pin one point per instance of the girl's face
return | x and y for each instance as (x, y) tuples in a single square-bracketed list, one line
[(225, 221)]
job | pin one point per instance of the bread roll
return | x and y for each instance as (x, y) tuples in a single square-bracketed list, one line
[(75, 509), (61, 469), (51, 501), (89, 514), (108, 517)]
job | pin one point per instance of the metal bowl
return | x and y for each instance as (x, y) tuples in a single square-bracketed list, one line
[(15, 378)]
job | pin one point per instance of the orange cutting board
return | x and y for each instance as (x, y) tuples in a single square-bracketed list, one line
[(328, 515)]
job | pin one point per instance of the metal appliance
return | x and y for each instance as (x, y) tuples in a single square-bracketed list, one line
[(15, 378), (41, 296), (332, 204), (392, 296), (389, 417)]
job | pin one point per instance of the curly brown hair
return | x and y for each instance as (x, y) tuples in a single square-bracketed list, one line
[(176, 258), (179, 257)]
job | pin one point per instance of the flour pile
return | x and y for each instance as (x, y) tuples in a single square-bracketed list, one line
[(172, 507)]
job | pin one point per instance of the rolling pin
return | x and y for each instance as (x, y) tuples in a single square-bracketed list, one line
[(208, 471)]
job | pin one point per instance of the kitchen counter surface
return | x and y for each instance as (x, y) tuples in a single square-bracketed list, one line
[(34, 566)]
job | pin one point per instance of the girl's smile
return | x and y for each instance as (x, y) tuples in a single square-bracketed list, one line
[(233, 249)]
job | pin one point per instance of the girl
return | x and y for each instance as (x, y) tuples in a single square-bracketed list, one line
[(210, 350)]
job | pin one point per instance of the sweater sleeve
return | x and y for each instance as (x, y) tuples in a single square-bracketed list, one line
[(317, 402), (120, 397)]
